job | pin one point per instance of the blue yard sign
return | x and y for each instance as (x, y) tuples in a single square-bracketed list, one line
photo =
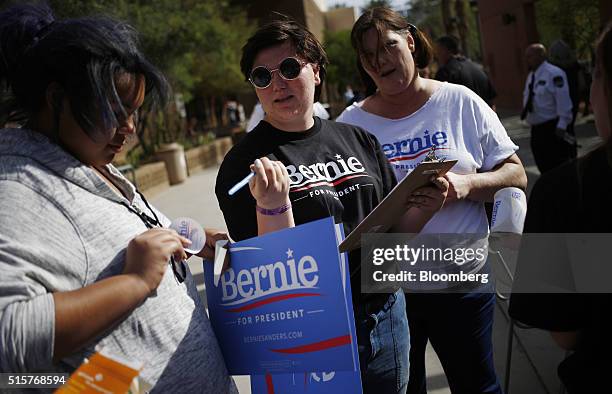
[(282, 306), (307, 383), (322, 382)]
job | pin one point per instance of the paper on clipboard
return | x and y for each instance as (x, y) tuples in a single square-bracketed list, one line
[(393, 206)]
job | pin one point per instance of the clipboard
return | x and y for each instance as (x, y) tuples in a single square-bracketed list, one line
[(393, 206)]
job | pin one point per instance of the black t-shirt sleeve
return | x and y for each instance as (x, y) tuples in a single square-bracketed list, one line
[(239, 209), (559, 311)]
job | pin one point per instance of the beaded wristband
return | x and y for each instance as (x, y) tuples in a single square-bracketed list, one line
[(272, 212)]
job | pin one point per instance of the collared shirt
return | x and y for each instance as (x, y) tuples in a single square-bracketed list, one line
[(551, 96)]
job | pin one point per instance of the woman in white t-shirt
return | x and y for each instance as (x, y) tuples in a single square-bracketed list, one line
[(409, 115)]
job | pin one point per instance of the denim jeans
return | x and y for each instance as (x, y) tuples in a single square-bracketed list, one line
[(384, 342), (459, 327)]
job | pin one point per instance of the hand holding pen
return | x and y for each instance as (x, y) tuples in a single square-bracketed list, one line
[(268, 181), (270, 187)]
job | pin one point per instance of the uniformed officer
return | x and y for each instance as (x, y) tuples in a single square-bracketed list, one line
[(458, 69), (548, 109)]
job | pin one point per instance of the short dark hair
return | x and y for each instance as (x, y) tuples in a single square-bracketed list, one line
[(382, 19), (450, 43), (276, 33), (82, 55)]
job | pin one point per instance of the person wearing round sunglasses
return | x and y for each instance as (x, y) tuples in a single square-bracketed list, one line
[(84, 258), (307, 168), (261, 78)]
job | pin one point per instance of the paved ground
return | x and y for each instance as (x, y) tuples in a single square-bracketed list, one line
[(534, 356)]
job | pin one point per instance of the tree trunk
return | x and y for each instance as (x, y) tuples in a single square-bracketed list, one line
[(213, 112), (447, 18), (462, 25)]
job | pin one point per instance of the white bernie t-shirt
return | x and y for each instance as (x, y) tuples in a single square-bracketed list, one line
[(462, 126)]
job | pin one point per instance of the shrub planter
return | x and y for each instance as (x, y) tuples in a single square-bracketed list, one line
[(223, 146), (173, 156), (201, 157), (207, 155), (152, 178)]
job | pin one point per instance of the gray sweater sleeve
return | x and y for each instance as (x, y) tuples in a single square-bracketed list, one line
[(30, 228)]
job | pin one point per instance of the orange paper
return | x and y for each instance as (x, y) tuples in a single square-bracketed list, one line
[(101, 374)]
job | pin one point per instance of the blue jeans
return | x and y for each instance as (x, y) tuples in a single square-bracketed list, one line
[(384, 343), (459, 327)]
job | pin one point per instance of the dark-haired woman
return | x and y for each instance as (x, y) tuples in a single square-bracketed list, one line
[(84, 258), (409, 114), (309, 168)]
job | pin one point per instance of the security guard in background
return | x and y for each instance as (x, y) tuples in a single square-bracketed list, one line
[(548, 109)]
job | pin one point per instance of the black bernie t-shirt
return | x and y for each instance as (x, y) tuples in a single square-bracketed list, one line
[(335, 169), (573, 198)]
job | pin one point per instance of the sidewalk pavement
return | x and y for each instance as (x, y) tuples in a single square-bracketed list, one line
[(534, 355)]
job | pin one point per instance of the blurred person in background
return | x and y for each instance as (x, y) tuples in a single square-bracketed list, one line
[(547, 107), (562, 56), (456, 68)]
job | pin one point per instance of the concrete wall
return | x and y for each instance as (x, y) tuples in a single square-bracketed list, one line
[(340, 19), (200, 157), (307, 12), (507, 27), (263, 10), (207, 155), (152, 178), (315, 18)]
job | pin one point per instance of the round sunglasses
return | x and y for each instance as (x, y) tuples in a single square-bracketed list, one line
[(289, 69)]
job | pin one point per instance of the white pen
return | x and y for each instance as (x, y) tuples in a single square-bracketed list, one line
[(240, 184)]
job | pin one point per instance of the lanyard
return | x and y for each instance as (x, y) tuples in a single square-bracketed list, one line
[(179, 269)]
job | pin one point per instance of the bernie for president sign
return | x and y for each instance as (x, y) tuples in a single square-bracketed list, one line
[(282, 305)]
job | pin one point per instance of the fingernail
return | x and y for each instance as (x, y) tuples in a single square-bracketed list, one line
[(258, 162)]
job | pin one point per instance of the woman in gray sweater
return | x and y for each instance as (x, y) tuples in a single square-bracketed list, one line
[(84, 258)]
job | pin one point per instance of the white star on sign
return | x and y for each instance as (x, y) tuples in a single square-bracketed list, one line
[(338, 157), (289, 253)]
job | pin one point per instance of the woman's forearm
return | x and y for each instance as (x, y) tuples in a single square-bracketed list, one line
[(83, 314), (413, 221), (509, 173), (270, 223)]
